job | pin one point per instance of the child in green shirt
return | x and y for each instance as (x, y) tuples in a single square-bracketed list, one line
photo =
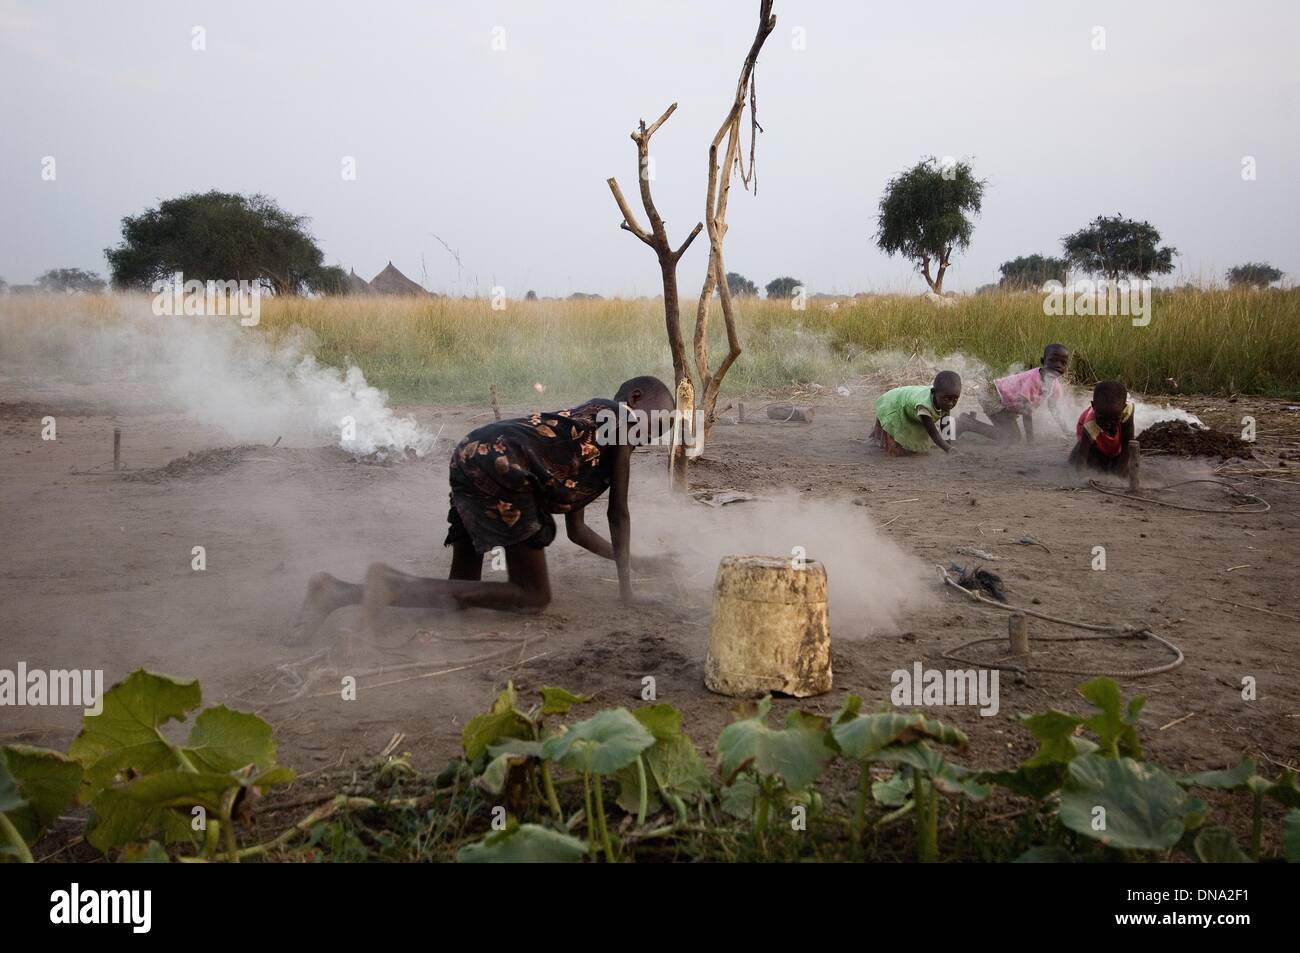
[(907, 417)]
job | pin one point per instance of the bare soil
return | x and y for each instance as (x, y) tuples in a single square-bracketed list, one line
[(95, 572)]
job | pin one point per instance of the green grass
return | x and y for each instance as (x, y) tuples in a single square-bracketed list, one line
[(452, 350)]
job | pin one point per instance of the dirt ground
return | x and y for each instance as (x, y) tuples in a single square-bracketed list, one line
[(95, 572)]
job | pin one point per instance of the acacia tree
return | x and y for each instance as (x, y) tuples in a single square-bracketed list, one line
[(782, 287), (219, 236), (70, 281), (1032, 271), (924, 215), (1115, 247), (740, 286), (728, 139), (1255, 274)]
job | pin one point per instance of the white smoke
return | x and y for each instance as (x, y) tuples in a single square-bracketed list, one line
[(213, 370)]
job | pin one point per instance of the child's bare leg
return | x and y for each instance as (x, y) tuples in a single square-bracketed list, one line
[(466, 562), (528, 587), (324, 594), (969, 423)]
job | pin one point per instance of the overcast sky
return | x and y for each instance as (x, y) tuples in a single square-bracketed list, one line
[(504, 153)]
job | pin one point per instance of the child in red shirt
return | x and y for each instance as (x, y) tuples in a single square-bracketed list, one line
[(1105, 432)]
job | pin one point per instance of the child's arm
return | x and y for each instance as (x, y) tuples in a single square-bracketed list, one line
[(1027, 415), (581, 534), (620, 522), (933, 430), (1054, 405)]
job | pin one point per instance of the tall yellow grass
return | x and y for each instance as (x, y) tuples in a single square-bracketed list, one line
[(447, 349), (440, 350)]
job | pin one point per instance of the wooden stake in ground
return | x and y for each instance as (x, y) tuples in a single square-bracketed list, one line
[(117, 448), (496, 410)]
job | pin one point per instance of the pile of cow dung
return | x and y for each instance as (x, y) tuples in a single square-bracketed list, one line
[(1184, 440)]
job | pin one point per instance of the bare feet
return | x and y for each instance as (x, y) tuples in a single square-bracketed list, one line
[(324, 595)]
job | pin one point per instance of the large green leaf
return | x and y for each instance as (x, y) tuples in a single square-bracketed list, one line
[(602, 744), (43, 783), (525, 844), (502, 721), (506, 755), (126, 733), (224, 740), (862, 737), (1229, 779), (893, 791), (1054, 731), (556, 701), (1291, 836), (796, 753), (1217, 845), (947, 777), (1145, 809), (1115, 728), (1285, 789), (671, 763)]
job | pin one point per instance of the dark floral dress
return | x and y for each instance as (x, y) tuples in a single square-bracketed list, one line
[(508, 477)]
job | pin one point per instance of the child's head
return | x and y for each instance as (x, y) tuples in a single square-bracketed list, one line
[(1056, 358), (1108, 401), (946, 390), (645, 395)]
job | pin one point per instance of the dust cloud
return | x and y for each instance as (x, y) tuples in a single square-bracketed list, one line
[(214, 371)]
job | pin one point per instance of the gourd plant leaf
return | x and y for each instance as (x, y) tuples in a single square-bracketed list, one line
[(526, 843), (1126, 804), (1044, 772), (671, 763), (556, 701), (126, 733), (150, 853), (224, 740), (796, 753), (1116, 729), (36, 785), (740, 798), (1285, 789), (947, 777), (1228, 779), (1291, 836), (503, 720), (863, 736), (602, 744), (893, 791), (1217, 845), (504, 756)]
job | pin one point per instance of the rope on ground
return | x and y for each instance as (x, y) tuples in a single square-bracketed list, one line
[(1118, 631), (1260, 504)]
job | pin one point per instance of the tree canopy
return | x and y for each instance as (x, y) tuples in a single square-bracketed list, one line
[(1032, 272), (67, 280), (1254, 274), (220, 236), (740, 286), (1117, 247), (782, 287), (925, 215)]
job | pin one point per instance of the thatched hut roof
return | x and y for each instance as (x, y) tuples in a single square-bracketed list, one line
[(390, 281), (358, 285)]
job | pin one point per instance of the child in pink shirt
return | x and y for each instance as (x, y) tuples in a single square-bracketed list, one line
[(1014, 398)]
